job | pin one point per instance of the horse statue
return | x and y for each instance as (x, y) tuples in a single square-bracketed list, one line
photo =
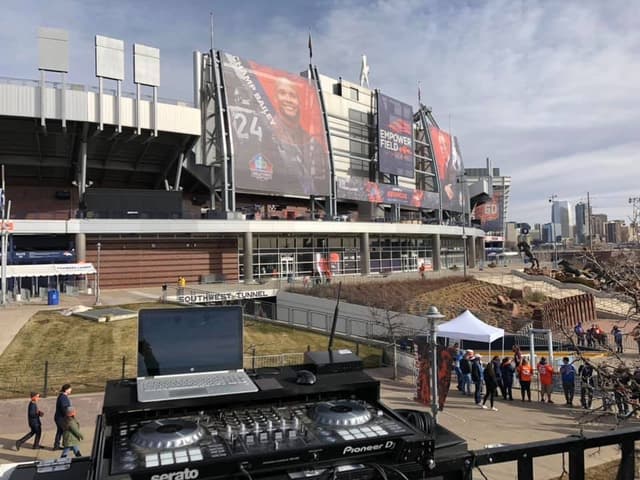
[(523, 247)]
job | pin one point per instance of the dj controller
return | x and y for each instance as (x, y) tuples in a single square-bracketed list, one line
[(222, 442), (335, 429)]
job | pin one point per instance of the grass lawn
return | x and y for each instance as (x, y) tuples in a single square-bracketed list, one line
[(86, 354)]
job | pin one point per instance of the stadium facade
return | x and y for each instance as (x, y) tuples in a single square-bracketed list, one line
[(266, 174)]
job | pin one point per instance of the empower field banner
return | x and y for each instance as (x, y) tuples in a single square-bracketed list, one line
[(395, 137), (450, 168), (279, 139)]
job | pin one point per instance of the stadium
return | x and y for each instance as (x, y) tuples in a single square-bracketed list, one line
[(265, 174)]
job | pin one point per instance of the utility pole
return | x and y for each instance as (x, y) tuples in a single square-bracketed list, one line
[(635, 202), (552, 199), (589, 222), (6, 213)]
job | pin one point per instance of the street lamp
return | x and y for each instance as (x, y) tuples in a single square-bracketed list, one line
[(462, 182), (635, 202), (99, 245), (552, 199), (432, 315)]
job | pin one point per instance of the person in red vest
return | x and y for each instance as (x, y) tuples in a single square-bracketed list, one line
[(545, 372)]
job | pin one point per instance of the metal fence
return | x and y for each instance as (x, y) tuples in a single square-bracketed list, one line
[(17, 380)]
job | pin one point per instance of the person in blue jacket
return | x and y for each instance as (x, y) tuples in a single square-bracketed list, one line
[(568, 375), (35, 425), (63, 402), (477, 376)]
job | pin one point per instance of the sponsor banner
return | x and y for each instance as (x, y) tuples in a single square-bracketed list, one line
[(395, 137), (490, 213), (450, 168), (279, 139), (354, 188), (192, 297)]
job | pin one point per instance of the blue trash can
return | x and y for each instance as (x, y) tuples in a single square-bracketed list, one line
[(53, 297)]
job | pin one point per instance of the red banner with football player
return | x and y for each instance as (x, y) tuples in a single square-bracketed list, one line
[(279, 138), (446, 151), (490, 213)]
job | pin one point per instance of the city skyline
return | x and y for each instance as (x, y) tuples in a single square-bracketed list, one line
[(543, 90)]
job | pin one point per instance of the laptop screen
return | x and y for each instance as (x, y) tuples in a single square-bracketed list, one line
[(188, 340)]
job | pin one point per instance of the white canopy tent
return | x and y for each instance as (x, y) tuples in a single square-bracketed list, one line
[(50, 270), (56, 270), (467, 326)]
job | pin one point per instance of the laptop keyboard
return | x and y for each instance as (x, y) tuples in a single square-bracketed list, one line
[(224, 380)]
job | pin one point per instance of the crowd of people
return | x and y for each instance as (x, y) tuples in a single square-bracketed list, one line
[(499, 376), (594, 337), (68, 435)]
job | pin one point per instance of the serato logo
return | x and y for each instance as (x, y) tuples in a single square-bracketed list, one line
[(369, 448), (186, 474)]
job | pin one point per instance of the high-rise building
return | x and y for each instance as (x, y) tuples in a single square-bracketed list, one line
[(583, 227), (613, 231), (562, 218), (598, 221)]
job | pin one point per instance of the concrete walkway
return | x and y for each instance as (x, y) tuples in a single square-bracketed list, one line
[(514, 422)]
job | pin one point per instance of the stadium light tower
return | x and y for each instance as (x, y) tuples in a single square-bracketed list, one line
[(552, 199), (635, 202)]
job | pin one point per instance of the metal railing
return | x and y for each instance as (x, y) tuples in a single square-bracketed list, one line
[(16, 380)]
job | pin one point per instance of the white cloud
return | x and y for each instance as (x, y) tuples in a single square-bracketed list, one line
[(548, 90)]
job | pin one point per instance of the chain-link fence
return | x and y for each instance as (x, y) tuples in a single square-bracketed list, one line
[(47, 377)]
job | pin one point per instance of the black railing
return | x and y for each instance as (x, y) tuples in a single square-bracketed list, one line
[(575, 446)]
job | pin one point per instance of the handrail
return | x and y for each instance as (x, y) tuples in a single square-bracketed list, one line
[(575, 445)]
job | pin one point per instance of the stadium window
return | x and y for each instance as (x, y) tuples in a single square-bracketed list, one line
[(354, 94)]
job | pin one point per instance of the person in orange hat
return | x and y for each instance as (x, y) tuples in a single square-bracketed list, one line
[(33, 419)]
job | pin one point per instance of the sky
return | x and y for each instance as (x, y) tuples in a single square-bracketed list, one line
[(548, 90)]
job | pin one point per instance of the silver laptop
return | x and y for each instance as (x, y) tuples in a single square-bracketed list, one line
[(190, 352)]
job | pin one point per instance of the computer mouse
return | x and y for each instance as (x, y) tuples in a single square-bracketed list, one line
[(306, 377)]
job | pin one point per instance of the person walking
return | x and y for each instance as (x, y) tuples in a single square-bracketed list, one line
[(62, 403), (457, 355), (465, 368), (545, 372), (579, 331), (525, 374), (617, 338), (72, 436), (35, 425), (568, 375), (491, 384), (507, 369), (498, 372), (477, 374)]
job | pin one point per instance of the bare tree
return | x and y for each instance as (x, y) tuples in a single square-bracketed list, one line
[(388, 318), (618, 377)]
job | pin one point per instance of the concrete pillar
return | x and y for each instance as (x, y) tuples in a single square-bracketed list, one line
[(436, 252), (471, 258), (365, 255), (248, 258)]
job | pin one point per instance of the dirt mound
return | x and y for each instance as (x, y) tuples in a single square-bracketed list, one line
[(493, 304)]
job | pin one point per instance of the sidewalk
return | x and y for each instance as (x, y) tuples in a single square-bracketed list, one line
[(514, 423)]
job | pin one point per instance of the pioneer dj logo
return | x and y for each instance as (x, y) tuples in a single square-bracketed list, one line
[(186, 474), (369, 448)]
